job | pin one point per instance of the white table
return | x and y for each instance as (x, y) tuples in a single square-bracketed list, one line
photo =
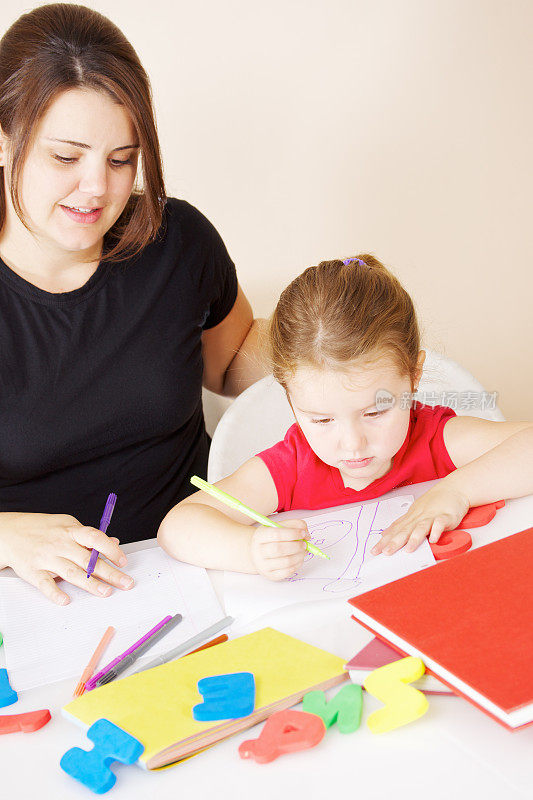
[(453, 751)]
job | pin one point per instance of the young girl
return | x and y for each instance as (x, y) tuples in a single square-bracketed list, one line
[(345, 346)]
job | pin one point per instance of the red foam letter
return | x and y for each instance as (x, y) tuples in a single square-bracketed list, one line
[(28, 722), (284, 732)]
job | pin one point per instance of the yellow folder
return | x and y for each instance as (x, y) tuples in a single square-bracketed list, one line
[(155, 706)]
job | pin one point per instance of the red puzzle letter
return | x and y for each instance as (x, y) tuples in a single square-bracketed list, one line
[(284, 732)]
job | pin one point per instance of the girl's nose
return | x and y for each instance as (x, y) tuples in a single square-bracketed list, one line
[(353, 441)]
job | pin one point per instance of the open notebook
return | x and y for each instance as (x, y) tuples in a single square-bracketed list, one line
[(45, 643), (156, 706)]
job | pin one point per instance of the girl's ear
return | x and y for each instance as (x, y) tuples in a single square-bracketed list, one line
[(292, 407), (419, 366), (290, 402)]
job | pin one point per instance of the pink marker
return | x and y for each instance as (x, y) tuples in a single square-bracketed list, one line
[(92, 682)]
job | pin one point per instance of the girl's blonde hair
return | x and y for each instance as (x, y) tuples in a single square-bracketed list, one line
[(339, 312)]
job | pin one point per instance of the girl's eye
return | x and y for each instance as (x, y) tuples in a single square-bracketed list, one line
[(64, 159), (321, 421), (115, 162), (373, 414)]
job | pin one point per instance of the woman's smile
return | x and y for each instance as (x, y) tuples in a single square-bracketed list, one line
[(85, 216)]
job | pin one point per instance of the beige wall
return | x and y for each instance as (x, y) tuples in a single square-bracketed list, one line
[(311, 130)]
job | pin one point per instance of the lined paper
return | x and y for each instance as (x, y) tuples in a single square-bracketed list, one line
[(45, 643)]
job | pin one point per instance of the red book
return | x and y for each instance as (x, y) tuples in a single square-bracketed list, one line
[(470, 620)]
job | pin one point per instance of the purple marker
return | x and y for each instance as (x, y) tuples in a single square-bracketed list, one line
[(92, 682), (104, 522)]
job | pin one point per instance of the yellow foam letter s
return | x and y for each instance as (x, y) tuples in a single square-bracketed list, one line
[(403, 703)]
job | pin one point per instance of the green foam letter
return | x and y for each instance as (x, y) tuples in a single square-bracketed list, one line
[(344, 709)]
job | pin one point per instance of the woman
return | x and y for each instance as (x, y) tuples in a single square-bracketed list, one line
[(116, 304)]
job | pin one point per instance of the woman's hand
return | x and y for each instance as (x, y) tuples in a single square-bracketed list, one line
[(278, 552), (440, 509), (39, 547)]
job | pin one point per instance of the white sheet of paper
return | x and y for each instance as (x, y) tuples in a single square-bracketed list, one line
[(45, 643), (347, 536)]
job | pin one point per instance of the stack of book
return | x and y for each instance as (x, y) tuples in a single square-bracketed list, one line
[(155, 706), (470, 620)]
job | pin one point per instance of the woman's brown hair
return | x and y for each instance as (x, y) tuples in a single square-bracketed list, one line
[(59, 47), (340, 312)]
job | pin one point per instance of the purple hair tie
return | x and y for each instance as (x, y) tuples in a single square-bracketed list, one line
[(352, 260)]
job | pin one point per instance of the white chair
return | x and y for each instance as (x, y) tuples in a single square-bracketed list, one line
[(261, 415)]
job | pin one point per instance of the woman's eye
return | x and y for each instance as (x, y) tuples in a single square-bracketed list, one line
[(373, 414), (115, 162), (321, 421)]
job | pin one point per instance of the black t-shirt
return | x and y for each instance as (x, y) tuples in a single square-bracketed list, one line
[(101, 386)]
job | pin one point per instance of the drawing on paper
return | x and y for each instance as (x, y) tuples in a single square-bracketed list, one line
[(347, 538)]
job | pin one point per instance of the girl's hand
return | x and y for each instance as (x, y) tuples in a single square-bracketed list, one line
[(39, 547), (278, 552), (439, 509)]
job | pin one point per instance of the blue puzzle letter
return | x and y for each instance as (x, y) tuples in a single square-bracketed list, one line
[(7, 694), (91, 767), (228, 696)]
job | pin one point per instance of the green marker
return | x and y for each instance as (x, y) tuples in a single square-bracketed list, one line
[(232, 502)]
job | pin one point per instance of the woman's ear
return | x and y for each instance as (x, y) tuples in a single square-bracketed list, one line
[(3, 147)]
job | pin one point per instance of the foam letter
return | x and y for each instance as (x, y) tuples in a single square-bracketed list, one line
[(228, 696), (284, 732), (480, 515), (450, 544), (403, 703), (8, 696), (27, 723), (91, 767), (344, 709)]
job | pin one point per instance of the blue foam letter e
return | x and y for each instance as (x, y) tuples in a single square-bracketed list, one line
[(228, 696)]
